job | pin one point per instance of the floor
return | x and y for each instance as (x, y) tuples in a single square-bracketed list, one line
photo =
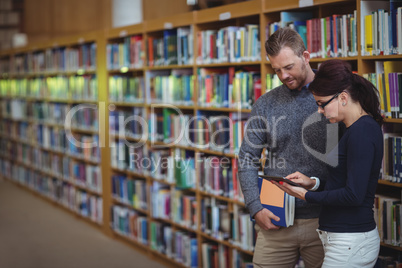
[(35, 233)]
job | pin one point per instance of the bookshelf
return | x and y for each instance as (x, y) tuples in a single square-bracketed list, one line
[(152, 97), (40, 85)]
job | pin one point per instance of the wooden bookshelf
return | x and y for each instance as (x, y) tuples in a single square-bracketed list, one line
[(127, 79)]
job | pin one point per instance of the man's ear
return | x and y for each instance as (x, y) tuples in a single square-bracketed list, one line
[(306, 56)]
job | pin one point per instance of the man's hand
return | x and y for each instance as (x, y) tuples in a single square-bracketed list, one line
[(263, 219)]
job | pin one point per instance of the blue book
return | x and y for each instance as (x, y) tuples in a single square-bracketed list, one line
[(393, 6), (278, 202)]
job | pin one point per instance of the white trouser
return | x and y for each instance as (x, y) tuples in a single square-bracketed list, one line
[(350, 249)]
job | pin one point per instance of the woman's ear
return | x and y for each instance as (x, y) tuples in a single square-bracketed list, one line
[(344, 98)]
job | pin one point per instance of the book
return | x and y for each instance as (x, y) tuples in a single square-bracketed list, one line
[(278, 202)]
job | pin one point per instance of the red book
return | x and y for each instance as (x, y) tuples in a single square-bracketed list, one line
[(150, 51), (257, 89)]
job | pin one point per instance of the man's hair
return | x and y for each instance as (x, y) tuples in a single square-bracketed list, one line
[(285, 37)]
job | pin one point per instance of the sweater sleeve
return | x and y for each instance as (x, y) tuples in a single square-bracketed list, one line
[(360, 155), (255, 138)]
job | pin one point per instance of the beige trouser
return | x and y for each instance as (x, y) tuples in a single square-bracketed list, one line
[(283, 247)]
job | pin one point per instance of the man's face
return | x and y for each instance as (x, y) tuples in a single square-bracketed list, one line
[(290, 68)]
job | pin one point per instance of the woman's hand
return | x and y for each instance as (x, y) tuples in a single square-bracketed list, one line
[(301, 179), (298, 192)]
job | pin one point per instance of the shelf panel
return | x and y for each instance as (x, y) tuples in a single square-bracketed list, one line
[(121, 203), (229, 110), (391, 246), (273, 6), (228, 64), (389, 183), (121, 32), (226, 243), (168, 67), (122, 70), (170, 22), (386, 57), (393, 120), (232, 11), (226, 199), (127, 104)]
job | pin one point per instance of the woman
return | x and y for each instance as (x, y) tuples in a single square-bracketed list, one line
[(346, 224)]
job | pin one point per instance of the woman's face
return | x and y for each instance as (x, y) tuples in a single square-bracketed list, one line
[(329, 107)]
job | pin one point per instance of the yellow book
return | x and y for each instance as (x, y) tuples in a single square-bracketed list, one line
[(368, 33), (381, 91)]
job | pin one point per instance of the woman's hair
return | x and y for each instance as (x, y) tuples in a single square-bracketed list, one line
[(335, 76), (285, 37)]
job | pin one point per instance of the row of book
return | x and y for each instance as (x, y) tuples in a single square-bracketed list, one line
[(175, 87), (79, 201), (175, 244), (171, 47), (171, 166), (80, 146), (130, 223), (126, 89), (60, 59), (222, 87), (223, 223), (381, 23), (229, 44), (81, 87), (86, 176), (388, 80), (218, 87), (218, 176), (130, 192), (129, 122), (178, 245), (130, 53), (184, 209), (51, 115), (84, 146), (332, 36), (45, 112), (206, 130), (388, 215), (392, 160), (174, 205)]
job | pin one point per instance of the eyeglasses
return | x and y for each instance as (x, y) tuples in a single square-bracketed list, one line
[(322, 106)]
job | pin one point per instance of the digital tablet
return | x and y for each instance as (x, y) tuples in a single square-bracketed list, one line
[(273, 178)]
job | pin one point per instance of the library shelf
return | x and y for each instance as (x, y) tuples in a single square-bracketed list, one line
[(390, 183), (396, 248), (128, 68)]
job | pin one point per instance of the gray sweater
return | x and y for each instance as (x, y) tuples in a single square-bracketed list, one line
[(287, 124)]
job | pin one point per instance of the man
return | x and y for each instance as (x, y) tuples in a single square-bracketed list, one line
[(279, 123)]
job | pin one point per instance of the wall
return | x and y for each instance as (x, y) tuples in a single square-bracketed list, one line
[(154, 9), (45, 19)]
